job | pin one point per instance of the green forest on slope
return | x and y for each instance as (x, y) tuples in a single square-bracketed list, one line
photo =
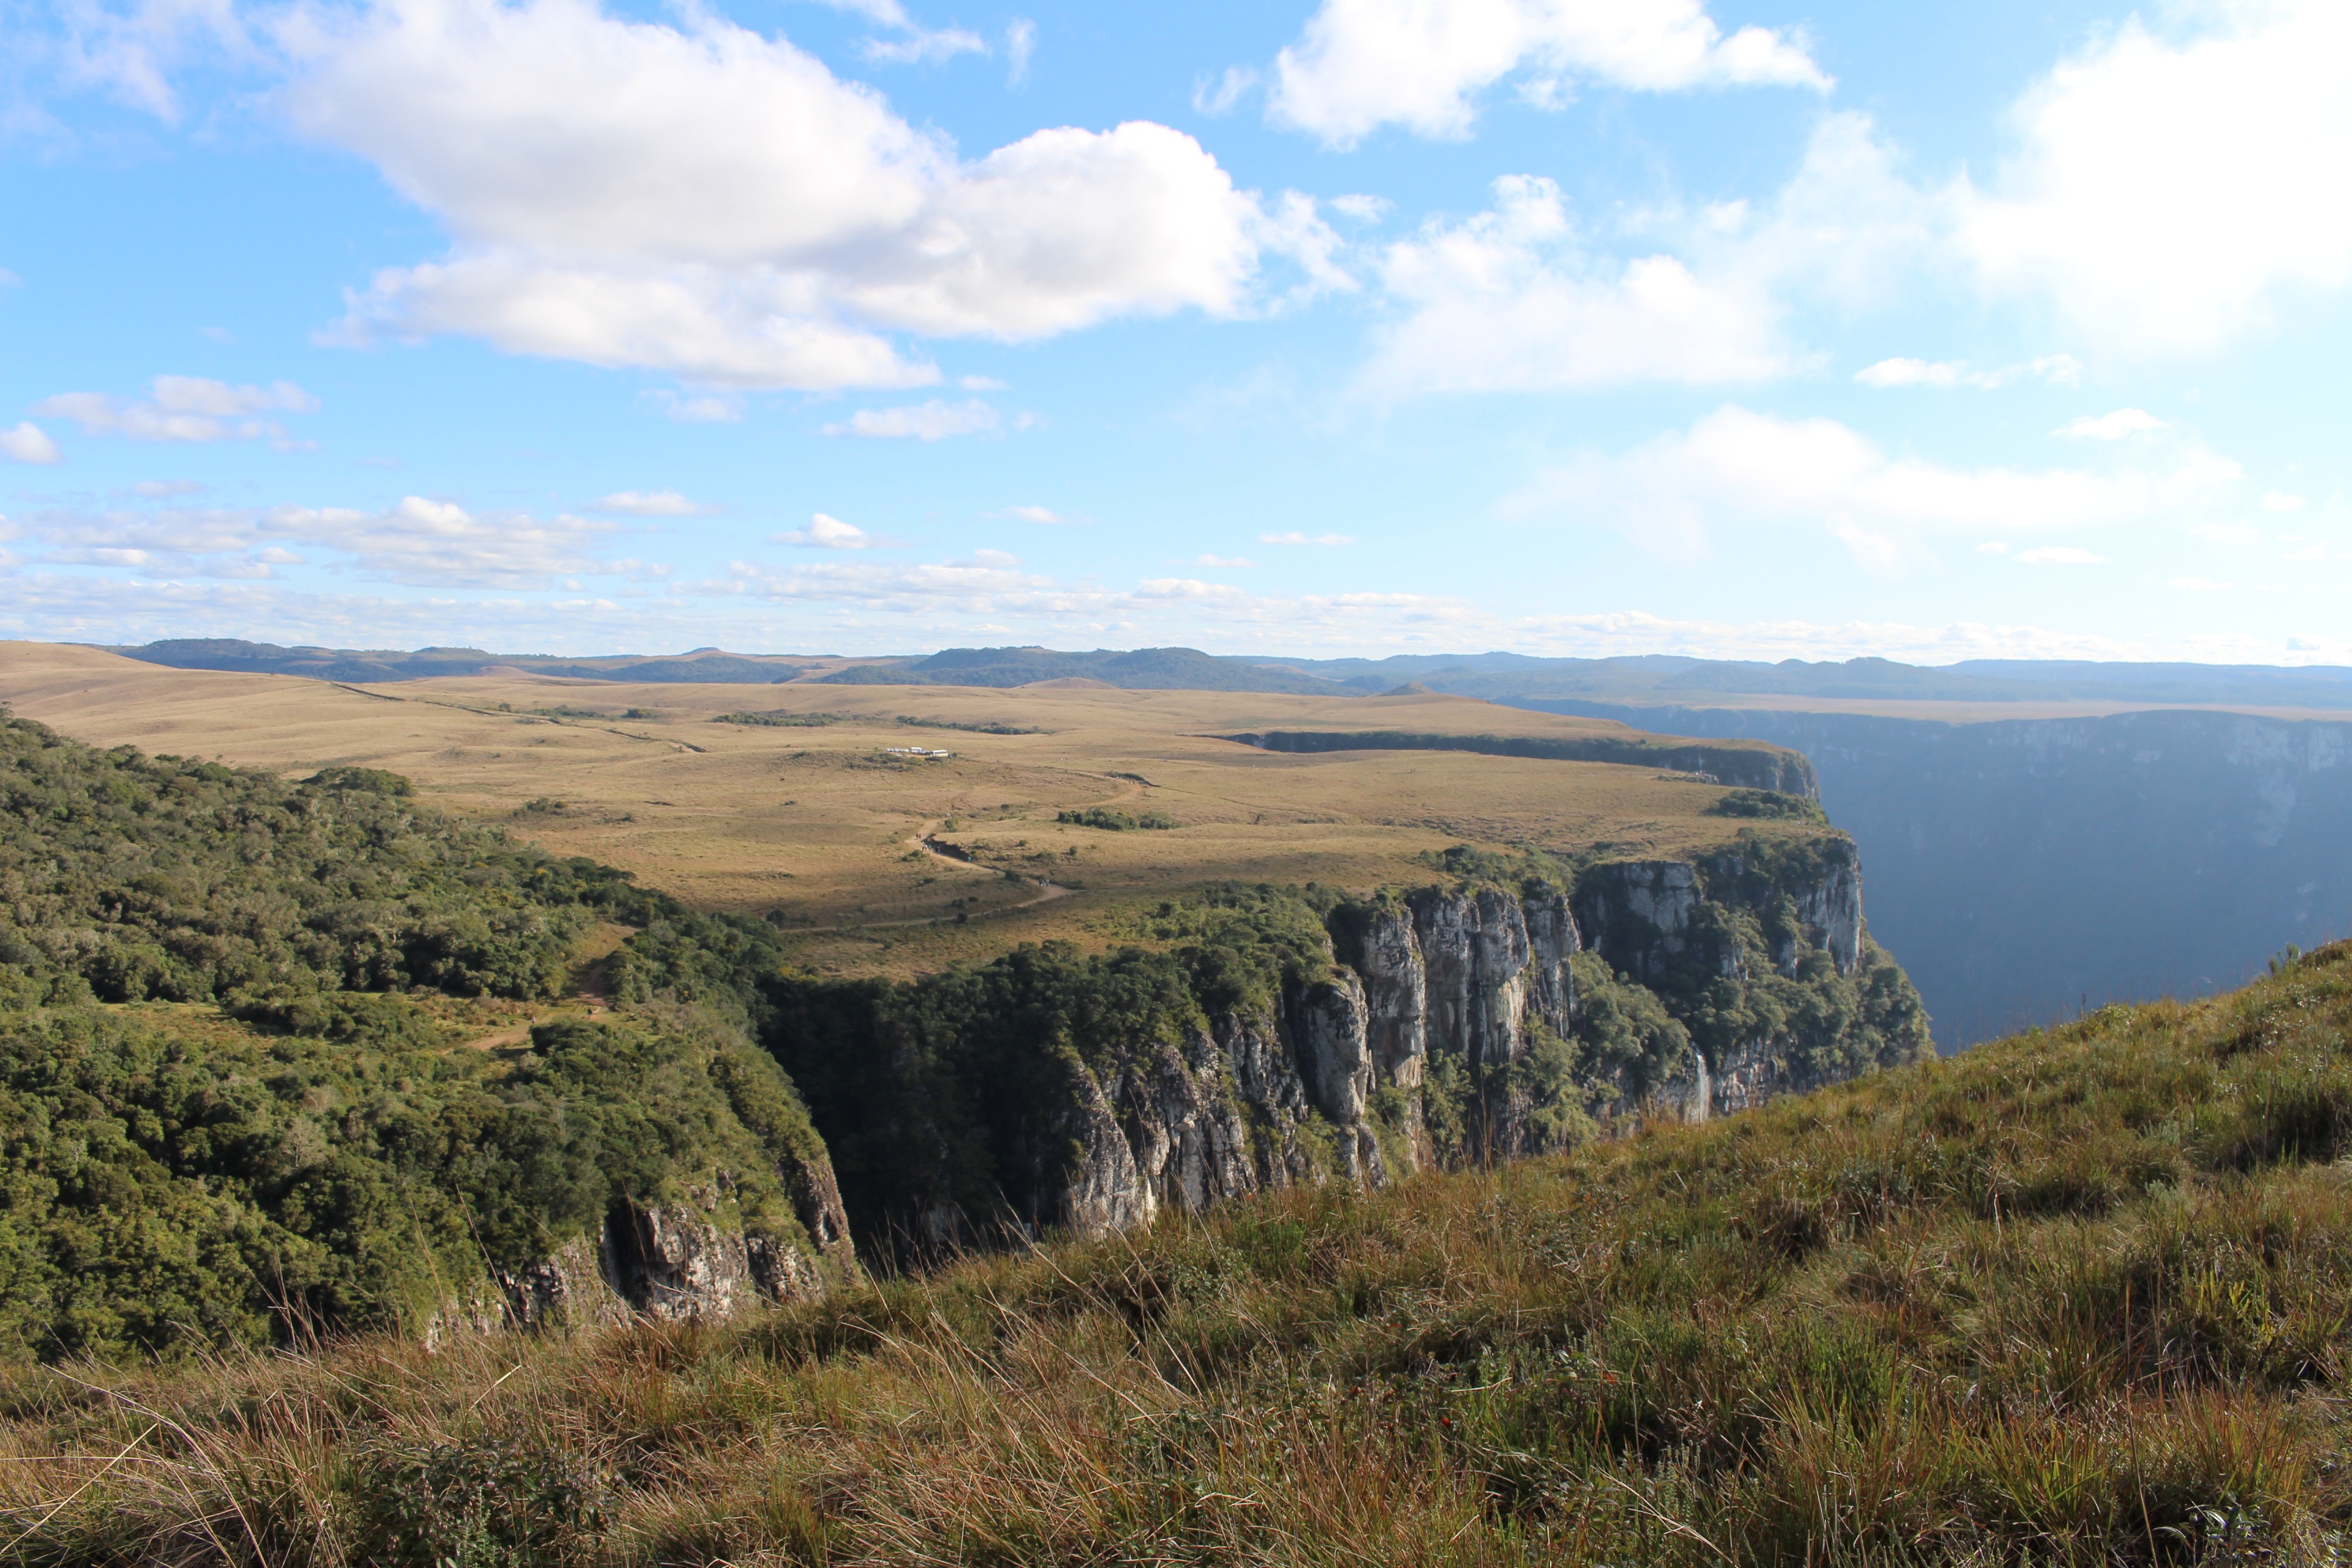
[(2078, 1296), (276, 1130)]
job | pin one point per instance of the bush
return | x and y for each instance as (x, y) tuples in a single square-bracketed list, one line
[(1111, 821)]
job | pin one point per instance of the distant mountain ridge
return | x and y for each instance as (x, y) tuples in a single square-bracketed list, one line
[(1660, 679)]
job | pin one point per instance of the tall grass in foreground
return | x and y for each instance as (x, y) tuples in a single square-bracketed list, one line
[(2078, 1296)]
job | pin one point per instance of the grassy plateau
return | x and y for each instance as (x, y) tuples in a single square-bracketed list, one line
[(886, 863), (2078, 1296)]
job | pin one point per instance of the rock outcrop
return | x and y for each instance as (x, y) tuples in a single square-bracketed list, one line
[(1742, 766), (690, 1260), (1446, 1024)]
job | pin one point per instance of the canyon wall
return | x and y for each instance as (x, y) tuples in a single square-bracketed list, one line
[(2028, 869), (1446, 1025)]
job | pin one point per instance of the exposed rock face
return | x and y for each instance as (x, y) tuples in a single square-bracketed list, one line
[(1638, 914), (1387, 956), (1329, 1028), (1474, 950), (671, 1262), (1833, 907), (1449, 1025)]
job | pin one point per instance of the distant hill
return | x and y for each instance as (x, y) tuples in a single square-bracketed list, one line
[(1149, 669), (1659, 678), (367, 665), (1144, 669), (1497, 676)]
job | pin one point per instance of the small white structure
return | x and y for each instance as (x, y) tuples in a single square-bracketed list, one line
[(915, 752)]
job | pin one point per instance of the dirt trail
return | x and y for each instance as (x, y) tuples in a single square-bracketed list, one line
[(947, 854)]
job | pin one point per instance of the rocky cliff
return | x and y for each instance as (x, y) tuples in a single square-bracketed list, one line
[(1295, 1041), (1742, 766)]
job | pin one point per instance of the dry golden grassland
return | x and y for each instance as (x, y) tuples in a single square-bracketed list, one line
[(821, 826)]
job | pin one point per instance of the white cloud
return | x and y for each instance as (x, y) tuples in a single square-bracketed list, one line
[(1217, 95), (825, 533), (982, 383), (2113, 426), (1020, 48), (2279, 500), (183, 408), (423, 543), (1362, 208), (701, 408), (1362, 64), (2167, 188), (2060, 555), (706, 201), (1510, 300), (28, 443), (1738, 467), (1295, 538), (1037, 515), (924, 47), (651, 503), (1913, 373), (418, 543), (932, 421), (2057, 369), (1517, 299)]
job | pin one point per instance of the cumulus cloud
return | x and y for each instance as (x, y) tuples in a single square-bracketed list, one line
[(1362, 64), (2167, 187), (2279, 500), (1738, 467), (28, 443), (932, 421), (1040, 514), (700, 199), (181, 408), (1520, 298), (1508, 301), (825, 533), (2113, 426), (651, 503)]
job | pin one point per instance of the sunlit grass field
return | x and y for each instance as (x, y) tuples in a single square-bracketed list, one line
[(819, 824), (2079, 1296)]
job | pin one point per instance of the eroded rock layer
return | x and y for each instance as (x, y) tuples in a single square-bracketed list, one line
[(1363, 1039)]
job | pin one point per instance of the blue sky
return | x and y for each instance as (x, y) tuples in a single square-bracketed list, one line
[(1564, 326)]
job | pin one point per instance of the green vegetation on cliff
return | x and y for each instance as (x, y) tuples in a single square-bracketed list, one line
[(2076, 1296), (321, 1151)]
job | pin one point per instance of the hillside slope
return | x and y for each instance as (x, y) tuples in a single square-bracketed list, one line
[(253, 1079), (2075, 1297)]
